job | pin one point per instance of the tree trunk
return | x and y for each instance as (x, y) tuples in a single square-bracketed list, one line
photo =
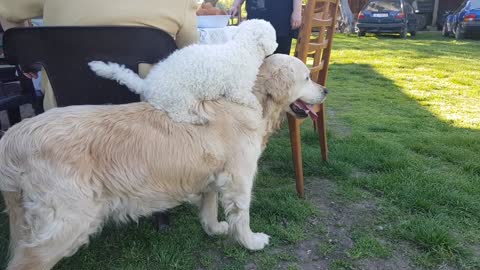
[(346, 22)]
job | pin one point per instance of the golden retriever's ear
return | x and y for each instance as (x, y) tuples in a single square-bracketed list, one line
[(279, 83)]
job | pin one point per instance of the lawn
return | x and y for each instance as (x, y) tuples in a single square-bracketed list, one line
[(401, 189)]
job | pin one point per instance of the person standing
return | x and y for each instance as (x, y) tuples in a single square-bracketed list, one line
[(284, 15)]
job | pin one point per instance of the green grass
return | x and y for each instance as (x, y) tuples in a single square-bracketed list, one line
[(413, 109), (326, 248), (341, 265), (367, 246), (404, 127)]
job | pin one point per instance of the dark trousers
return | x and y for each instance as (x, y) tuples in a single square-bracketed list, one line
[(284, 45)]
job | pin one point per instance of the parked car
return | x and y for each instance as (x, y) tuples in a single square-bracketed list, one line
[(465, 20), (387, 16)]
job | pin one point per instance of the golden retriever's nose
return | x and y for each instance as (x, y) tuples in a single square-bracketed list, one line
[(325, 91)]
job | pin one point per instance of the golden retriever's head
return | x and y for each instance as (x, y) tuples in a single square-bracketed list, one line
[(285, 80)]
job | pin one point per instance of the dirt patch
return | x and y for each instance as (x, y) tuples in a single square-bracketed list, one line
[(330, 249), (337, 126), (356, 173)]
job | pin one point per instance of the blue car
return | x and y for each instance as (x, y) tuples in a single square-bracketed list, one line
[(387, 16), (464, 21)]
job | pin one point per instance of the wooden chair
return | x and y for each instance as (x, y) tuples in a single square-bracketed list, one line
[(314, 42)]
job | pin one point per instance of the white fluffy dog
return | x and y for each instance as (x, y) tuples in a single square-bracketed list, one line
[(201, 72)]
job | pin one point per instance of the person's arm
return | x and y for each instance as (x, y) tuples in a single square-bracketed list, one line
[(236, 7), (15, 13), (8, 24), (188, 33), (296, 19)]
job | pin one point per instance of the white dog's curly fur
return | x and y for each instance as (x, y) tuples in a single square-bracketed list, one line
[(201, 72)]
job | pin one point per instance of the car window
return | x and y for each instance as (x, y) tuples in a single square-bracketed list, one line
[(383, 5), (474, 4)]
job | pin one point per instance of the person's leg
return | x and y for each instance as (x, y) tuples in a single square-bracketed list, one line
[(284, 45)]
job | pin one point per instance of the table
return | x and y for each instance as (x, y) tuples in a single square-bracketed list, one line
[(206, 35)]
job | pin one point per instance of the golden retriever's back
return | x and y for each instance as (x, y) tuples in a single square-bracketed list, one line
[(133, 142)]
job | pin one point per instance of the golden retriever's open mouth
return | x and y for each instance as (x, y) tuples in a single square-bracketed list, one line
[(303, 109)]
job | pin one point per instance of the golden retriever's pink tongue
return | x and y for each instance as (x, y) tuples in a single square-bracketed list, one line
[(308, 108)]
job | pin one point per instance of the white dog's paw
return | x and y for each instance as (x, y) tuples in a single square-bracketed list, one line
[(190, 118), (198, 120), (258, 241), (220, 228), (256, 105)]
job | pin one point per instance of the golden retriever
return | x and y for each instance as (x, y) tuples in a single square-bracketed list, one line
[(65, 172)]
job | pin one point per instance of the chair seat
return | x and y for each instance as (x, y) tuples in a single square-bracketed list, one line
[(10, 89), (7, 73)]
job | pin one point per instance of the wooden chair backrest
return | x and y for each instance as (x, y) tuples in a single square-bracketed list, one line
[(316, 36)]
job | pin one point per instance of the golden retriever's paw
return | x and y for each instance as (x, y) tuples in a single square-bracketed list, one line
[(258, 241), (220, 228)]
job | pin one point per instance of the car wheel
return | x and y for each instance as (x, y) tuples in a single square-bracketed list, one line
[(413, 33), (445, 32), (458, 32), (361, 33)]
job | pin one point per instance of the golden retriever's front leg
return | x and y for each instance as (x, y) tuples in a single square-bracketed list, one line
[(236, 197), (209, 214)]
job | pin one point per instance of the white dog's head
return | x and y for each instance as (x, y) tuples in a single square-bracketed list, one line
[(286, 81), (259, 31)]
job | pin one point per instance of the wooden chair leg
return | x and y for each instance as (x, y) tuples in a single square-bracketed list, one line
[(37, 105), (295, 140), (321, 128), (14, 116)]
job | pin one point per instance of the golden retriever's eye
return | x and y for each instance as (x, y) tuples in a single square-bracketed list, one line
[(307, 79)]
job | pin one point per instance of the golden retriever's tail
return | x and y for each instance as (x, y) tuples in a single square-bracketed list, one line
[(119, 73)]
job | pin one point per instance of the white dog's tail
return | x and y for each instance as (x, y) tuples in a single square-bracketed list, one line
[(119, 73)]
